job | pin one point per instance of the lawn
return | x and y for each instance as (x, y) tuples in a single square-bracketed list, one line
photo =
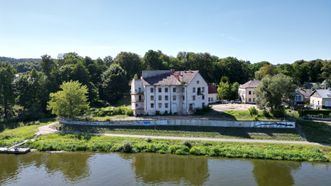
[(9, 137), (71, 142), (319, 132), (186, 131)]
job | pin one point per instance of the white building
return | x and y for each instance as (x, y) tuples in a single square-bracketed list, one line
[(247, 91), (212, 94), (321, 99), (168, 92)]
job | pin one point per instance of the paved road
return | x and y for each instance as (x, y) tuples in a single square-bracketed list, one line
[(48, 129)]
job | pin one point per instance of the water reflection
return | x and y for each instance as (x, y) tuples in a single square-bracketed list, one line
[(73, 166), (157, 168), (274, 173)]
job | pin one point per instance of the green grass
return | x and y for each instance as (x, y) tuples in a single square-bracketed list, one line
[(9, 137), (109, 118), (70, 142), (319, 132), (211, 132)]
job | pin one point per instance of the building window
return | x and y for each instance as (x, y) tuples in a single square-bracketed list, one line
[(183, 98), (198, 82), (174, 89), (166, 105), (139, 89), (160, 89), (152, 98), (139, 97), (253, 99), (249, 92), (152, 89), (193, 89), (165, 89), (203, 97), (160, 98), (183, 89), (199, 91), (160, 105), (166, 98), (174, 98), (202, 89), (249, 100), (152, 105), (203, 104), (193, 98)]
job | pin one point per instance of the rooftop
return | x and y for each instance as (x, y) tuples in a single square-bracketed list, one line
[(250, 84), (168, 77)]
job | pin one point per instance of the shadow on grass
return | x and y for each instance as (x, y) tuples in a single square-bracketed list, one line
[(319, 132), (236, 132)]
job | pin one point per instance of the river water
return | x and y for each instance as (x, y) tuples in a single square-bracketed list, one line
[(47, 169)]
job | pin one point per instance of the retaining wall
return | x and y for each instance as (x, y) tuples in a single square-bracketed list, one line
[(184, 122)]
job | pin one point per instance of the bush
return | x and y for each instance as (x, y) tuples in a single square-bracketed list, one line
[(127, 148), (303, 113), (111, 111), (253, 111), (187, 144)]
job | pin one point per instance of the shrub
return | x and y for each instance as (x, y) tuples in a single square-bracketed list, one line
[(253, 111), (148, 140), (187, 144), (127, 148)]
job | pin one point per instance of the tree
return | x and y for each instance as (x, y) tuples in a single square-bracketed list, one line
[(264, 71), (114, 83), (130, 62), (7, 97), (154, 60), (236, 70), (71, 101), (274, 92), (47, 64), (32, 94)]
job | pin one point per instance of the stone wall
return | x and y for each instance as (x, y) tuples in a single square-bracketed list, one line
[(184, 122)]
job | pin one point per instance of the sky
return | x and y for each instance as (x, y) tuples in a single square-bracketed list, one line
[(279, 31)]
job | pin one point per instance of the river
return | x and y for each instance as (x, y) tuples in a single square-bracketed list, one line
[(47, 169)]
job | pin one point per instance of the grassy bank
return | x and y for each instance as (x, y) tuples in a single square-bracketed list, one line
[(24, 131), (70, 142), (319, 132), (187, 131)]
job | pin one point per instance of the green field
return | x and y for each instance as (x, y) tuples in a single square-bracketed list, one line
[(186, 131), (25, 131), (71, 142)]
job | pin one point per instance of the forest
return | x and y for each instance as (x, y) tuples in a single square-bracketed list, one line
[(25, 84)]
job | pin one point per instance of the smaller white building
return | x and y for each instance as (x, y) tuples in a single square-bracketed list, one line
[(247, 91), (321, 99), (212, 94)]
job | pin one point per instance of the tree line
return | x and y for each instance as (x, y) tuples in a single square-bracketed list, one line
[(25, 89)]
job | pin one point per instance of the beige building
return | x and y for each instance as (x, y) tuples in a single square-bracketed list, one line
[(321, 99), (247, 91)]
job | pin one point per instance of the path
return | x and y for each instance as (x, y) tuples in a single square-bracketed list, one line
[(47, 129)]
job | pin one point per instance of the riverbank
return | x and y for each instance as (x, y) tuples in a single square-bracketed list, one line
[(72, 142)]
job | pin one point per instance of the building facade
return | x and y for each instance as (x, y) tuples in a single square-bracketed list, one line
[(168, 92), (212, 94), (321, 99), (247, 91)]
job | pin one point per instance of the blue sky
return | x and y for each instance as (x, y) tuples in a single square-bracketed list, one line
[(277, 31)]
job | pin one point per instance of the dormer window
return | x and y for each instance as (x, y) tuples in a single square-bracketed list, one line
[(198, 82)]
